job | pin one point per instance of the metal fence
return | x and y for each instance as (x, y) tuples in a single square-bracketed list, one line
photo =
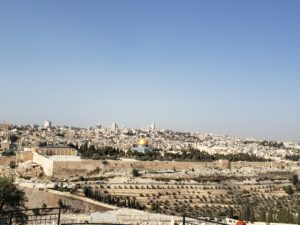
[(37, 216), (52, 216)]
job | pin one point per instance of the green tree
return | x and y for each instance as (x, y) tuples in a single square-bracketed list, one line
[(288, 189), (13, 164), (270, 217), (135, 172), (10, 196), (295, 179), (262, 216), (13, 138), (87, 190), (230, 212), (8, 153), (252, 217), (155, 207)]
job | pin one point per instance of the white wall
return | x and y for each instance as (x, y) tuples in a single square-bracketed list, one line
[(45, 162)]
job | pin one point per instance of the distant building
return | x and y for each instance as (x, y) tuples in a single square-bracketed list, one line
[(114, 127), (5, 145), (47, 124), (5, 126), (142, 147), (152, 126), (34, 126)]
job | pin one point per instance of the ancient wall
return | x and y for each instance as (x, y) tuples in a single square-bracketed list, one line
[(164, 165), (20, 157), (156, 165), (6, 160), (46, 163), (79, 168), (61, 168), (74, 168), (24, 156), (56, 151), (259, 165)]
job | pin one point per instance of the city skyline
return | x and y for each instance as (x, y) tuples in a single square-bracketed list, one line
[(143, 127), (207, 66)]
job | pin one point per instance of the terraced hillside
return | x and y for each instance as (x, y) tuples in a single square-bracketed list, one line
[(263, 201)]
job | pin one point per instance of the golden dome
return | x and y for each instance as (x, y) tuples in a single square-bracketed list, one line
[(143, 141)]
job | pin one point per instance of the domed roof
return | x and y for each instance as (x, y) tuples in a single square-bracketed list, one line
[(143, 141), (240, 222)]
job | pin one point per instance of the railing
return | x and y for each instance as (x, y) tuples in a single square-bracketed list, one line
[(52, 216), (37, 216)]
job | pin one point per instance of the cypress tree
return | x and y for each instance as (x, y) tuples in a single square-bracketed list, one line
[(262, 215)]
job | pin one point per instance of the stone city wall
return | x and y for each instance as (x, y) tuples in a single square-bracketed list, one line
[(259, 165), (56, 151), (6, 160), (45, 162), (61, 168), (156, 165), (24, 156), (165, 165), (78, 168), (170, 165), (19, 157)]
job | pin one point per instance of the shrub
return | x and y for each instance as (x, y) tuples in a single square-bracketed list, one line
[(135, 172), (288, 189), (13, 164)]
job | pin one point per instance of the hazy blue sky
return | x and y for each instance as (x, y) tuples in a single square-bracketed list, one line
[(227, 67)]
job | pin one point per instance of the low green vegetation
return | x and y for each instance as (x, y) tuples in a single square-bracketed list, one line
[(10, 196), (120, 201), (8, 153), (293, 157), (90, 152), (196, 156), (13, 164), (263, 202), (108, 152), (135, 172), (288, 189)]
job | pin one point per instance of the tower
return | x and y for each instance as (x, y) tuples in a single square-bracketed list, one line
[(114, 127), (152, 126), (47, 124)]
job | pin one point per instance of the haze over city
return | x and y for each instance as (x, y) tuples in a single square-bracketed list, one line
[(226, 67)]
